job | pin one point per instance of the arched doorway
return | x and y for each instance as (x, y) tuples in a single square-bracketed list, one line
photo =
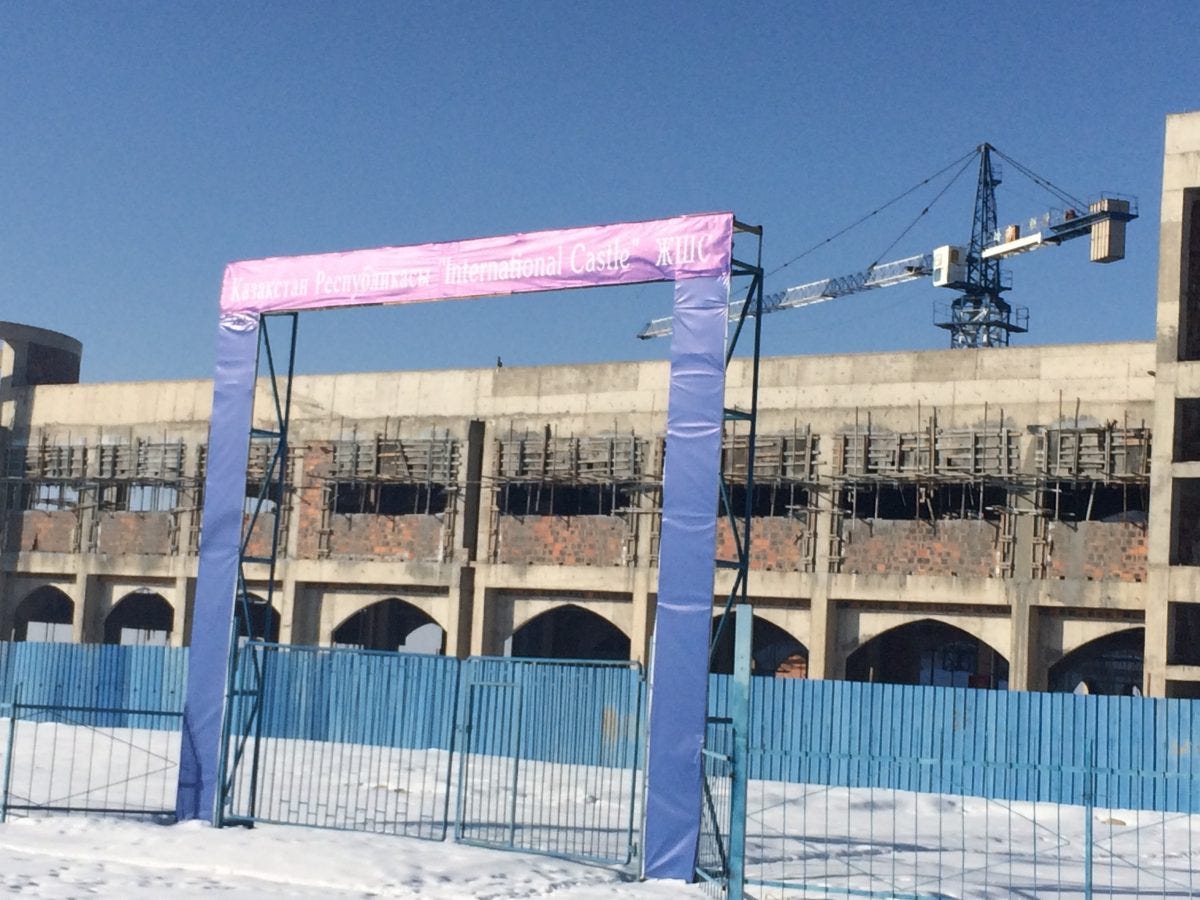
[(773, 651), (44, 615), (391, 625), (142, 617), (257, 619), (570, 632), (928, 652), (1108, 665)]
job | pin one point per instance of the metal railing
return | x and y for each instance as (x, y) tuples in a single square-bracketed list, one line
[(807, 840), (94, 760), (550, 757), (346, 739)]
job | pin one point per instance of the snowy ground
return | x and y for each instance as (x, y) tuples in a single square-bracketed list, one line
[(803, 840), (82, 857)]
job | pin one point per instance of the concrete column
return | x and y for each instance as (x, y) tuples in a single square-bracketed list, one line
[(460, 607), (641, 631), (823, 610), (1021, 638), (181, 634), (90, 609), (479, 621)]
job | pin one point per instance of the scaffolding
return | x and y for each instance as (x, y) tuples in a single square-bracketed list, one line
[(386, 475), (139, 476), (542, 473)]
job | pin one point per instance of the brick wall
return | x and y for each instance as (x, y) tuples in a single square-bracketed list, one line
[(408, 537), (260, 538), (318, 463), (134, 532), (776, 544), (1097, 551), (40, 530), (909, 546), (562, 540)]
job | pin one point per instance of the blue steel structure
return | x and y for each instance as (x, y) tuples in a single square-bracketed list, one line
[(725, 864), (246, 733), (980, 316)]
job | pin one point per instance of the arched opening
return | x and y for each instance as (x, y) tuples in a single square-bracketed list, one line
[(390, 625), (1108, 665), (257, 619), (143, 618), (928, 652), (45, 615), (569, 632), (772, 651)]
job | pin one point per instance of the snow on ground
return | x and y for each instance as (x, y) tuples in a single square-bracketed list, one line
[(88, 857)]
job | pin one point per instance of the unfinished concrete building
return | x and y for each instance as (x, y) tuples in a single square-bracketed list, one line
[(990, 518)]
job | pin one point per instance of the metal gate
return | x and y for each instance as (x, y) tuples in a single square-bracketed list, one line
[(720, 857), (550, 757), (336, 738)]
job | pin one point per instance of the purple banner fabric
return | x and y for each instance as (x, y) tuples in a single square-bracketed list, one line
[(216, 582), (683, 621), (625, 253)]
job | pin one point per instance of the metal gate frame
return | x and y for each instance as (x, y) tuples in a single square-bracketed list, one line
[(512, 741)]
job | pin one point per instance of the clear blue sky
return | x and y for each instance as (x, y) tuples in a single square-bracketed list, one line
[(146, 144)]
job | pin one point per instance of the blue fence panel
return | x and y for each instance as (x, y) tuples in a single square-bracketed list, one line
[(1137, 753), (603, 700), (98, 676)]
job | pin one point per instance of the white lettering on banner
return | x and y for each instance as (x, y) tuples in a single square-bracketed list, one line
[(501, 269), (612, 258), (275, 289), (371, 282), (682, 250)]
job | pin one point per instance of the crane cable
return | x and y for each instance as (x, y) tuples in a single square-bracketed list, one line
[(960, 161), (1042, 182), (921, 214)]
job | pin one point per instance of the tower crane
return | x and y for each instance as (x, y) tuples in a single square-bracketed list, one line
[(979, 316)]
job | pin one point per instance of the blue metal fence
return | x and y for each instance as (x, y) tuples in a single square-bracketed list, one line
[(101, 676), (1007, 746), (883, 789)]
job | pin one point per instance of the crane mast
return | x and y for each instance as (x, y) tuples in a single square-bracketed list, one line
[(980, 316)]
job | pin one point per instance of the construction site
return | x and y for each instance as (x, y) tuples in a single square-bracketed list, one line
[(987, 516)]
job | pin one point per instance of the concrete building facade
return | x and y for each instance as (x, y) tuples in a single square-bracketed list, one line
[(994, 518)]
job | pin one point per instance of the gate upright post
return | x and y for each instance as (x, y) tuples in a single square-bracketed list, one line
[(739, 710)]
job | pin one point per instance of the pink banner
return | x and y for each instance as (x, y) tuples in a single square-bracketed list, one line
[(627, 253)]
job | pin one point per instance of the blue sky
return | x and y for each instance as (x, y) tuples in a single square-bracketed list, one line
[(147, 144)]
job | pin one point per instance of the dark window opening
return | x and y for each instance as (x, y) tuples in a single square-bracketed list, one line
[(269, 492), (773, 651), (391, 625), (390, 499), (1187, 430), (1185, 522), (1094, 501), (569, 632), (548, 499), (769, 500), (927, 502), (931, 653), (1185, 634), (125, 497), (1189, 288), (49, 496), (45, 615), (255, 618), (1107, 665), (142, 617)]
